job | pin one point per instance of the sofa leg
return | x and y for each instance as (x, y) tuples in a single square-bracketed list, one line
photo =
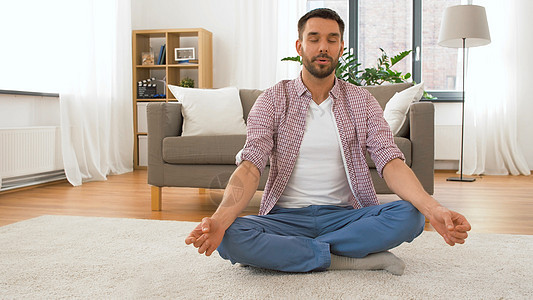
[(156, 197)]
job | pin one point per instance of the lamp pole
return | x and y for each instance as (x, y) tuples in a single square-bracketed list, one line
[(467, 179), (463, 108)]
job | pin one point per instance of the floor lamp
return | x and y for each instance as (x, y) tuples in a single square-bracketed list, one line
[(464, 26)]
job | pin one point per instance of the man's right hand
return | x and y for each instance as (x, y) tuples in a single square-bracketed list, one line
[(206, 236), (241, 187)]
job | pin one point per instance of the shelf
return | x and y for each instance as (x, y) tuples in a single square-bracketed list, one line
[(170, 66), (150, 66), (184, 66), (151, 99)]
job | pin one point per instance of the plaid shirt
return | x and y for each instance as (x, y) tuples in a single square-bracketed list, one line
[(276, 126)]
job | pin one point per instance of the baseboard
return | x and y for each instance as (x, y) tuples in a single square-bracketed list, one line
[(446, 164), (18, 182)]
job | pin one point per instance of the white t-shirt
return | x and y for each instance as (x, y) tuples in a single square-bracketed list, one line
[(319, 175)]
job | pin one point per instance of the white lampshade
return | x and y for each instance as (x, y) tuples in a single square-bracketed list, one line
[(467, 22)]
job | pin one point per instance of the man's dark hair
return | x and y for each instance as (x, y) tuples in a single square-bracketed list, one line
[(324, 13)]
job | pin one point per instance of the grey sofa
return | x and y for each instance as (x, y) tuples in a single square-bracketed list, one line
[(208, 161)]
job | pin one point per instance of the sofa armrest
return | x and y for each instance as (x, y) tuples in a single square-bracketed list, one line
[(422, 136), (164, 119)]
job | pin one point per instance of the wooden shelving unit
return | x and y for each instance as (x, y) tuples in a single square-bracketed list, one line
[(172, 72)]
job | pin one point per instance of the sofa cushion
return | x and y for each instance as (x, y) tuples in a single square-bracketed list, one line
[(221, 150), (208, 112), (402, 143), (384, 92), (396, 109), (200, 150)]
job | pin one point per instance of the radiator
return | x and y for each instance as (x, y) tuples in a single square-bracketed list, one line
[(30, 155)]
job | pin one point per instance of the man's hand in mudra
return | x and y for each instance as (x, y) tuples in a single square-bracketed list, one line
[(206, 236), (451, 225)]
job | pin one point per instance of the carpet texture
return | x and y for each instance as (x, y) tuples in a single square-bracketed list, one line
[(84, 257)]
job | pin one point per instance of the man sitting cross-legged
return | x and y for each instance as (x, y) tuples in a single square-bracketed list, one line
[(319, 209)]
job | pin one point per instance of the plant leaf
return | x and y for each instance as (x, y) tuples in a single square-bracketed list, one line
[(395, 59), (292, 58)]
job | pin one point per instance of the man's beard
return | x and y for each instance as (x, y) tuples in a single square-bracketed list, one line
[(320, 71)]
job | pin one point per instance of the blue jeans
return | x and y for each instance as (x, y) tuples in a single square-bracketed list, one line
[(302, 239)]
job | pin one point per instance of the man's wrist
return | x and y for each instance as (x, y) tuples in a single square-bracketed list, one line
[(429, 206), (223, 222), (431, 210)]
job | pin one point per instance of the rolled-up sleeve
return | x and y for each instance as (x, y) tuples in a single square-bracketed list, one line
[(259, 132), (380, 141)]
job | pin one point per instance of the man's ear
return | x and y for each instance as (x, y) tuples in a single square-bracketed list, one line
[(299, 47), (342, 49)]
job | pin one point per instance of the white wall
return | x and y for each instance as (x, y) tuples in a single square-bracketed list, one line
[(447, 135), (219, 17), (25, 111)]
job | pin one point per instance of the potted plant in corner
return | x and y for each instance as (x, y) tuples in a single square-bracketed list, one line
[(348, 69)]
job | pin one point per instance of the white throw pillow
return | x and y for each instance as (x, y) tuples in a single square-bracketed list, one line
[(210, 111), (396, 109)]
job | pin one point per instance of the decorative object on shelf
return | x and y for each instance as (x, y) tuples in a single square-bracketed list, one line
[(148, 58), (188, 62), (184, 54), (464, 26), (187, 82), (147, 89)]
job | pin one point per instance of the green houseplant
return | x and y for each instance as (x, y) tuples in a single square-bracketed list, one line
[(348, 69), (187, 82)]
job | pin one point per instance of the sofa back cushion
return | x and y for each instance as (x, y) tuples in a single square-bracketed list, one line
[(404, 144), (209, 112), (248, 98), (383, 93)]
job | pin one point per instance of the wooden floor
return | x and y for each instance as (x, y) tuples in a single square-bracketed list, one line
[(493, 204)]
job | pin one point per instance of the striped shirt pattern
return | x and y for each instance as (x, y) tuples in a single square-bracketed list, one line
[(276, 125)]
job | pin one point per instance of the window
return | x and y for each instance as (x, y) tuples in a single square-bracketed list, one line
[(441, 67), (399, 25), (387, 25)]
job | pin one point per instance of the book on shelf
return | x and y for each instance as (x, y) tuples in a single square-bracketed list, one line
[(161, 55)]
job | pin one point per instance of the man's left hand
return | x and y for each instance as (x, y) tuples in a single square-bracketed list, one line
[(451, 225)]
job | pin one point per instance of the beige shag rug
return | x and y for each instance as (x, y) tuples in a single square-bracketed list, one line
[(85, 257)]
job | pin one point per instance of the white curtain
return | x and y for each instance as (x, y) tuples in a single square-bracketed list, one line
[(81, 49), (266, 31), (491, 145), (96, 109)]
